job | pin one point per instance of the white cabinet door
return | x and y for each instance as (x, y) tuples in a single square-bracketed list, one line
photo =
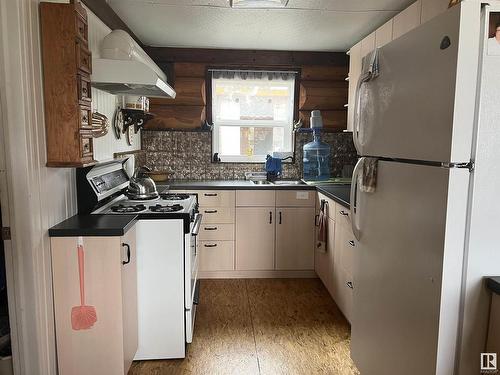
[(367, 45), (255, 230), (295, 238), (431, 8), (354, 73), (383, 35), (407, 20), (129, 297)]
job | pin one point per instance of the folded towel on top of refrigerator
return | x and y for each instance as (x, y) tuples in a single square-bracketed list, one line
[(368, 178)]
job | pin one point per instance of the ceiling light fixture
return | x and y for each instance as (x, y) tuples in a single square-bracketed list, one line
[(259, 4)]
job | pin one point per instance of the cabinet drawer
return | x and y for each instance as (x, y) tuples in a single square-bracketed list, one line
[(83, 58), (218, 215), (216, 198), (84, 89), (296, 198), (216, 255), (221, 232), (254, 198), (85, 118), (82, 30), (343, 216)]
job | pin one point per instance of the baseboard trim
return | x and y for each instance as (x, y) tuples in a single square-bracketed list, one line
[(273, 274)]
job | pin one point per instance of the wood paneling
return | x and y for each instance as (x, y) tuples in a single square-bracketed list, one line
[(247, 57), (323, 84), (332, 120), (176, 117), (324, 73), (189, 92), (323, 95)]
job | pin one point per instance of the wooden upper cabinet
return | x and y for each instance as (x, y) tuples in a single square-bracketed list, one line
[(383, 34), (431, 8), (407, 20), (67, 65)]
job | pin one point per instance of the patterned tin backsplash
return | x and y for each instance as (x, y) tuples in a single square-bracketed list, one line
[(187, 156)]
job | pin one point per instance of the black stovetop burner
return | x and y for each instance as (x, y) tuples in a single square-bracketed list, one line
[(174, 196), (121, 208), (166, 208)]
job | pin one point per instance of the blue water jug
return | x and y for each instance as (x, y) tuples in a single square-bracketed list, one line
[(317, 159)]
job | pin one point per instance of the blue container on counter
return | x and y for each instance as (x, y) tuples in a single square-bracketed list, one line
[(317, 154)]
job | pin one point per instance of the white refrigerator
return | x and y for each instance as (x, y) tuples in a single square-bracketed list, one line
[(428, 108)]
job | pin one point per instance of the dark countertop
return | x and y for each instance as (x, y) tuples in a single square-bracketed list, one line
[(228, 185), (338, 192), (493, 284), (93, 226)]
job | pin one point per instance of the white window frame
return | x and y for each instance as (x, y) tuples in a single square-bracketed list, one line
[(289, 140)]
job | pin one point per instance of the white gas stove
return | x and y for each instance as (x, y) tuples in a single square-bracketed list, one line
[(167, 257)]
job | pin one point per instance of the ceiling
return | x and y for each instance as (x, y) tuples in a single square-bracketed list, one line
[(304, 25)]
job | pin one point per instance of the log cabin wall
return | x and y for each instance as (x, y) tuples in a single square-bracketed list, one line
[(175, 142), (322, 83)]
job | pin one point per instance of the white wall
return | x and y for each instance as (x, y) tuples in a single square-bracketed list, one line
[(35, 196)]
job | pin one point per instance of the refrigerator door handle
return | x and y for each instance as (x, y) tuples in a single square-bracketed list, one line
[(370, 72), (354, 207)]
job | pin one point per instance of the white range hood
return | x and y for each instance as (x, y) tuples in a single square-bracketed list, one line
[(125, 69)]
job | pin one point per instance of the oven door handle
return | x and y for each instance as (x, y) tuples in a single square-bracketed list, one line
[(197, 225)]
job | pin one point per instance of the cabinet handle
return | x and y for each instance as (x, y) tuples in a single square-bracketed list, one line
[(351, 242), (280, 218), (270, 217), (211, 211), (343, 213), (210, 228), (128, 253), (349, 284), (210, 194), (212, 245), (316, 220)]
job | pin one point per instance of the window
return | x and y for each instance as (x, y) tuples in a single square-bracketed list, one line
[(252, 113)]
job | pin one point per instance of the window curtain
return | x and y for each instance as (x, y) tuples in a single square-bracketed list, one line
[(253, 75)]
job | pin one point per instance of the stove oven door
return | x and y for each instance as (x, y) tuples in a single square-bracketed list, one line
[(191, 274)]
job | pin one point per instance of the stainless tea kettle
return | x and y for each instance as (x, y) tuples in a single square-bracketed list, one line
[(141, 186)]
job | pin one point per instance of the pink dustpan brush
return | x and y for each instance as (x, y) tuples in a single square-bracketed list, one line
[(82, 317)]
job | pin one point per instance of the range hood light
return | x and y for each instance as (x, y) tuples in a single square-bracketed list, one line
[(259, 4)]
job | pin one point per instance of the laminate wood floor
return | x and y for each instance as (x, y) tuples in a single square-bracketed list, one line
[(263, 326)]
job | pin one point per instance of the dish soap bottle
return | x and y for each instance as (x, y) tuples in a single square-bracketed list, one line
[(317, 155)]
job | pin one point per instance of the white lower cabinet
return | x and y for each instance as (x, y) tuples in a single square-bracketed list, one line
[(334, 264), (294, 238), (255, 233), (110, 282)]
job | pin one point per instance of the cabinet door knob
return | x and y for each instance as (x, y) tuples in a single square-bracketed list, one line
[(270, 217), (351, 242), (210, 211), (212, 245), (349, 284), (210, 228), (343, 213), (128, 253), (210, 194), (280, 217)]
